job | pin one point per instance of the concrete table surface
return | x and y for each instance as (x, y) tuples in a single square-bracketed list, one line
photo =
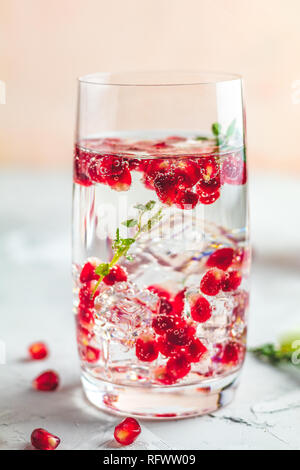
[(35, 304)]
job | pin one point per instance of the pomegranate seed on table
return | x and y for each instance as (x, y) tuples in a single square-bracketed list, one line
[(231, 281), (201, 309), (116, 274), (178, 366), (44, 440), (186, 200), (127, 431), (146, 348), (221, 258), (38, 351), (48, 381), (195, 350)]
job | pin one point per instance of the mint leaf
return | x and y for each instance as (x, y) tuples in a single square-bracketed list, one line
[(130, 223), (149, 206), (201, 137), (231, 129), (102, 269), (140, 207), (216, 129)]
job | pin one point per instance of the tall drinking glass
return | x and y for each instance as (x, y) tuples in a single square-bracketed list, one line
[(160, 241)]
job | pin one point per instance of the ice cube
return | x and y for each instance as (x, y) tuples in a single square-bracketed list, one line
[(124, 310)]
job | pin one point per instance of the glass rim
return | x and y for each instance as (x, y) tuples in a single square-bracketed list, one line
[(158, 78)]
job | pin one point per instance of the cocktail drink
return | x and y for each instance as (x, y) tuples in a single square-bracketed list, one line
[(160, 242)]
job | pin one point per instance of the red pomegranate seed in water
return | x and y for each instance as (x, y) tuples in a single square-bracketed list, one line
[(209, 168), (48, 381), (195, 350), (234, 170), (178, 366), (146, 348), (127, 431), (231, 281), (44, 440), (178, 302), (187, 173), (231, 353), (209, 198), (85, 300), (38, 351), (181, 335), (120, 182), (116, 274), (165, 186), (90, 354), (186, 200), (221, 258), (165, 348), (162, 376), (211, 282), (88, 273), (86, 317), (160, 291), (208, 187), (162, 323), (201, 309)]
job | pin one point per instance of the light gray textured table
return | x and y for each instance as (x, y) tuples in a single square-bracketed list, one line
[(35, 304)]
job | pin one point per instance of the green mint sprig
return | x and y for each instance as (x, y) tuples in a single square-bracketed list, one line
[(121, 245), (222, 138), (281, 353)]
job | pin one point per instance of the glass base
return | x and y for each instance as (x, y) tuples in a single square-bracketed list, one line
[(160, 403)]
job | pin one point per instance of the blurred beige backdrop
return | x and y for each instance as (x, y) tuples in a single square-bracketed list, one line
[(45, 45)]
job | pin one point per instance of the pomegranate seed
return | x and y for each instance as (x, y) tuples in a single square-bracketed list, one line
[(178, 302), (175, 139), (116, 274), (234, 170), (181, 335), (201, 309), (178, 366), (165, 186), (231, 281), (162, 376), (85, 301), (146, 348), (161, 145), (127, 431), (187, 173), (81, 162), (88, 273), (209, 198), (209, 168), (231, 353), (163, 323), (113, 166), (44, 440), (211, 282), (85, 317), (90, 354), (46, 382), (165, 348), (38, 351), (94, 170), (120, 182), (208, 187), (160, 291), (195, 350), (186, 200), (221, 258)]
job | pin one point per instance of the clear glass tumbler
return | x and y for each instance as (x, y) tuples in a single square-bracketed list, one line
[(161, 251)]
